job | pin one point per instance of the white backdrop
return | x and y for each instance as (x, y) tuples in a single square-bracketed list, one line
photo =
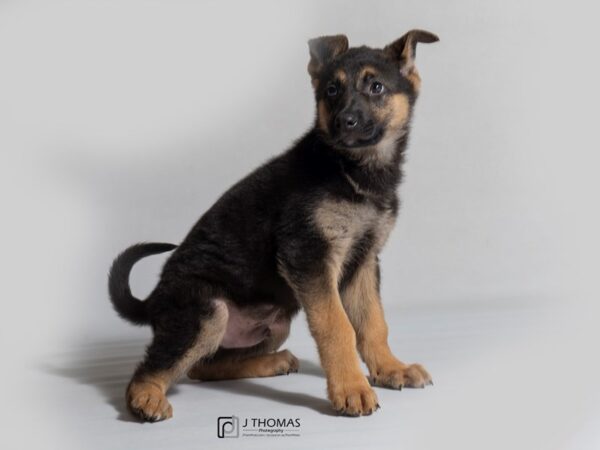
[(123, 121)]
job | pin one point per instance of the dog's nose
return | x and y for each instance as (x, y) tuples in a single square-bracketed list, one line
[(347, 121)]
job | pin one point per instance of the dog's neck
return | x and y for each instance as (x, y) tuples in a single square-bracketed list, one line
[(372, 172)]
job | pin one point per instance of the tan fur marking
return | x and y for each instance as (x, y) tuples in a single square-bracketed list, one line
[(397, 112), (382, 112), (399, 108), (323, 116), (341, 223), (341, 76), (206, 343), (364, 72), (267, 365)]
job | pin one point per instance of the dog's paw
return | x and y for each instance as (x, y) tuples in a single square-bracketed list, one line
[(355, 398), (284, 363), (147, 402), (397, 375)]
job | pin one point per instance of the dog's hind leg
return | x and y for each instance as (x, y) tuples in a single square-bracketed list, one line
[(266, 365), (261, 360), (181, 338)]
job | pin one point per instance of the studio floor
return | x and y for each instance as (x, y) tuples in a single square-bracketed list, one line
[(515, 375)]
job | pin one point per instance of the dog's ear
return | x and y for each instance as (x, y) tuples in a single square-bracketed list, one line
[(322, 50), (404, 49)]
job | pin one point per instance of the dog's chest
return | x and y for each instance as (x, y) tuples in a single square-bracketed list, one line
[(345, 224)]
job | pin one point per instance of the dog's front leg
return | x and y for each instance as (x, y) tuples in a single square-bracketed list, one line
[(362, 302), (347, 387)]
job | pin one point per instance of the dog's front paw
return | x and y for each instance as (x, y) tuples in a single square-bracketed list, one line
[(397, 375), (147, 402), (354, 398)]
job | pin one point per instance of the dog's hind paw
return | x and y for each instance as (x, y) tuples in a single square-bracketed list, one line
[(147, 402)]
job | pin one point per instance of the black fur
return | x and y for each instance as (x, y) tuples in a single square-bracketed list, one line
[(234, 248), (129, 307)]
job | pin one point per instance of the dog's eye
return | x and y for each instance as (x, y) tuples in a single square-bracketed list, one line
[(332, 90), (376, 88)]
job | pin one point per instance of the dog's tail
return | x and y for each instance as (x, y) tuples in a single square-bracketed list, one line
[(129, 307)]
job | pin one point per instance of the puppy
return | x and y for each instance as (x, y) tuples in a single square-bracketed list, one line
[(302, 231)]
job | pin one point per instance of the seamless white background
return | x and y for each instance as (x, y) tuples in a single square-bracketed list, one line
[(123, 121)]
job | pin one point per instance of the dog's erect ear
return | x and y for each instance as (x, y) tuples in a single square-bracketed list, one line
[(323, 49), (404, 49)]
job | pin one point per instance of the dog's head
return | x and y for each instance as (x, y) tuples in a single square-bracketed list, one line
[(364, 95)]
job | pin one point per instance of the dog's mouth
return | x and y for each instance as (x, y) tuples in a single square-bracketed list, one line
[(369, 136)]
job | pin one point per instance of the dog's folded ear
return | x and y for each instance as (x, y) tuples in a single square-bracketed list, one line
[(324, 49), (404, 49)]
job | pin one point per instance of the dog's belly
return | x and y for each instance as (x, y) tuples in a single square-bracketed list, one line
[(250, 326)]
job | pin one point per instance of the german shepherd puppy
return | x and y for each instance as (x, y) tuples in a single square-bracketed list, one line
[(302, 231)]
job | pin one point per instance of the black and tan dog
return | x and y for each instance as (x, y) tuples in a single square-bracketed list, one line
[(302, 231)]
